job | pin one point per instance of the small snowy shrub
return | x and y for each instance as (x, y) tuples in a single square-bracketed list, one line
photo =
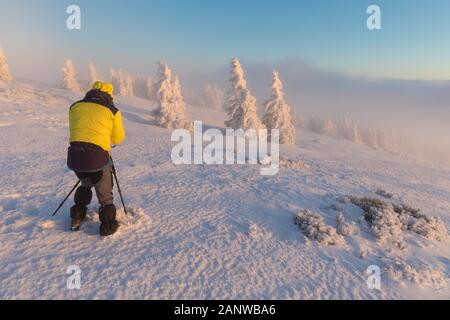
[(423, 274), (314, 228), (384, 194), (386, 226), (342, 200), (367, 203), (293, 164), (383, 221), (343, 227), (430, 227), (389, 221)]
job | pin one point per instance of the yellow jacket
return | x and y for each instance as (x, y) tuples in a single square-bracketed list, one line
[(96, 120)]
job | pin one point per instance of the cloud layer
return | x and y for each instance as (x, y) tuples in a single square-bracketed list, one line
[(418, 111)]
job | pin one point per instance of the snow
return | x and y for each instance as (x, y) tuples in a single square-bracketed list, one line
[(209, 232)]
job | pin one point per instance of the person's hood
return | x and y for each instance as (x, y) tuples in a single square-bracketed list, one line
[(100, 97), (104, 86)]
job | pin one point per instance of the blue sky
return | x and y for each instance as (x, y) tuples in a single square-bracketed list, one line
[(196, 34)]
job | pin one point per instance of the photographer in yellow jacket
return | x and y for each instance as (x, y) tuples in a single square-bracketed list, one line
[(95, 124)]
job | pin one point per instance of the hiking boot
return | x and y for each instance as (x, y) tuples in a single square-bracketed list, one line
[(109, 224), (78, 214), (76, 224)]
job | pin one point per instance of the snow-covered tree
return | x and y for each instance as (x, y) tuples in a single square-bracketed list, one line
[(213, 97), (5, 73), (299, 121), (182, 120), (354, 135), (240, 105), (314, 124), (163, 94), (278, 113), (123, 82), (170, 111), (115, 79), (129, 85), (149, 86), (238, 84), (370, 138), (387, 141), (70, 81), (349, 130), (143, 87), (149, 89), (123, 89), (329, 128), (321, 126), (93, 74), (193, 98)]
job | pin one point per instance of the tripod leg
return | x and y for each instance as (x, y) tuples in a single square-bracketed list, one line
[(62, 203)]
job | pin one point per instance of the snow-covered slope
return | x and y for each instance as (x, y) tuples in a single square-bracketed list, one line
[(206, 231)]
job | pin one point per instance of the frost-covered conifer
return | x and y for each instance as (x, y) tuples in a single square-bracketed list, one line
[(170, 111), (278, 113), (93, 74), (5, 73), (70, 81), (240, 104)]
